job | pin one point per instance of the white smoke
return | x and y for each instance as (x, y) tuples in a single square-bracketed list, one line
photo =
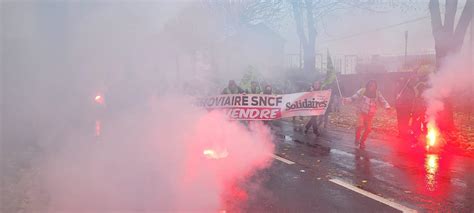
[(152, 160), (454, 77), (58, 55)]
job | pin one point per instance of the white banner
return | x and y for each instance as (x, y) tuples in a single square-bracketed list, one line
[(268, 107)]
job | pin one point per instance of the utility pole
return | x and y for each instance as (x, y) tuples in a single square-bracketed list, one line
[(300, 59), (406, 47), (471, 52), (471, 55)]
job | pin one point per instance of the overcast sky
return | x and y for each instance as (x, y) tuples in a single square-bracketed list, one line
[(365, 33), (351, 31)]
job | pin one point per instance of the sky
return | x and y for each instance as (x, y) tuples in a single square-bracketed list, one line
[(126, 30), (331, 28), (356, 31)]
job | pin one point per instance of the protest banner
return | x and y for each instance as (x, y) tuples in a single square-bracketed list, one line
[(268, 107)]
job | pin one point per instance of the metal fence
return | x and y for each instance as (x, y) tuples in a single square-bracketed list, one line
[(351, 64)]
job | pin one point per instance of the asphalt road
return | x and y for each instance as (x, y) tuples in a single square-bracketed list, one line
[(312, 174), (329, 174)]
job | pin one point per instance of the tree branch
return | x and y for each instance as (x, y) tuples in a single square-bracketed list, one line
[(297, 12), (435, 13), (463, 23), (451, 7), (361, 5), (310, 20)]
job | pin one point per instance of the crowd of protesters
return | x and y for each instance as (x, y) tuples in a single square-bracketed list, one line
[(409, 104), (233, 88)]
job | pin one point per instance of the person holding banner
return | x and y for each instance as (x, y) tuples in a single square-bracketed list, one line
[(232, 88), (268, 90), (313, 122), (254, 88), (367, 99), (324, 119)]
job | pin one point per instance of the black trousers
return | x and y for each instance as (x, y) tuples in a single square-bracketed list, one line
[(313, 122), (403, 121)]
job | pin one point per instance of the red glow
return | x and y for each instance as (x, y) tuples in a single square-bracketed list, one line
[(431, 168), (432, 135), (98, 128), (226, 157), (430, 174), (213, 154), (99, 99), (233, 196)]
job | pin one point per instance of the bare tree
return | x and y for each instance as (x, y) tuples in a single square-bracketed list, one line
[(233, 14), (239, 13), (448, 38), (307, 40), (306, 13)]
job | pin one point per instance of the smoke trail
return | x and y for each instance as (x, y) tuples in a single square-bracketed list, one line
[(58, 56), (453, 78), (152, 160)]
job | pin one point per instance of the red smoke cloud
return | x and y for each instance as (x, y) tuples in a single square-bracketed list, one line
[(153, 159)]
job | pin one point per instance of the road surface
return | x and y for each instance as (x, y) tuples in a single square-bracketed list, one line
[(329, 174), (309, 174)]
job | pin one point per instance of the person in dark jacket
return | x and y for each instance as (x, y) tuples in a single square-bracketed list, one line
[(254, 88), (313, 122), (268, 90), (324, 119), (232, 88), (404, 105), (419, 123)]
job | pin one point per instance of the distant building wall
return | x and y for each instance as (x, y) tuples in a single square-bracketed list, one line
[(351, 64)]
